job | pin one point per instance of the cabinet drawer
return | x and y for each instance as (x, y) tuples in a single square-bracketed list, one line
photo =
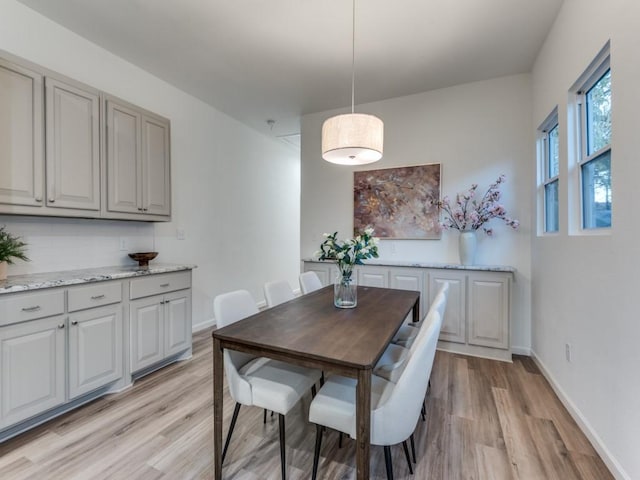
[(158, 284), (106, 293), (28, 306)]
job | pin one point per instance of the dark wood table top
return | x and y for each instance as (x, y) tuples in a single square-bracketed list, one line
[(311, 326)]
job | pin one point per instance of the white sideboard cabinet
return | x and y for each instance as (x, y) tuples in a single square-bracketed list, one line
[(477, 320)]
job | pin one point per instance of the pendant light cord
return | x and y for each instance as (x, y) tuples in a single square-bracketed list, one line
[(353, 58)]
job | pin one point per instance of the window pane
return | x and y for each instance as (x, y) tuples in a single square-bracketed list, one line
[(554, 155), (596, 192), (599, 114), (551, 207)]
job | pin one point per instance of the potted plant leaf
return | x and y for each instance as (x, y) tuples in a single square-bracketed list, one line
[(10, 247)]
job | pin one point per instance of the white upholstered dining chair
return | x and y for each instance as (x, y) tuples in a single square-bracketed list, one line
[(257, 381), (277, 292), (395, 408), (309, 282)]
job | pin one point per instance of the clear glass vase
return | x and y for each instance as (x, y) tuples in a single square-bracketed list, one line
[(345, 290)]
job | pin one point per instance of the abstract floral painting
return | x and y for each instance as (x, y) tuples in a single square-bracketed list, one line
[(396, 202)]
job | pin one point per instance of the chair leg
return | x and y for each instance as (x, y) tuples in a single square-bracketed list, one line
[(313, 391), (406, 454), (283, 462), (322, 379), (423, 412), (236, 410), (264, 416), (387, 462), (316, 452), (413, 448), (340, 440)]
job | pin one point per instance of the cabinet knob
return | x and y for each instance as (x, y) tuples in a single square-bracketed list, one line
[(145, 209), (140, 209), (38, 199), (52, 200), (97, 297), (164, 285), (61, 325), (75, 322)]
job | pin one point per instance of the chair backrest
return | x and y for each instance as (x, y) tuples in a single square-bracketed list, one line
[(228, 308), (309, 281), (398, 411), (438, 306), (278, 292)]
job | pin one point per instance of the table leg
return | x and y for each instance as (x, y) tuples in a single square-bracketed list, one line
[(416, 311), (363, 423), (218, 360)]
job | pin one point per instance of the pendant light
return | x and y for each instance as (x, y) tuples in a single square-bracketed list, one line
[(352, 138)]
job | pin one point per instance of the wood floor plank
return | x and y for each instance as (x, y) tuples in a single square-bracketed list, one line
[(525, 463), (486, 420)]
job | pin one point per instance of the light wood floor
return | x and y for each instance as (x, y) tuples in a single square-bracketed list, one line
[(486, 420)]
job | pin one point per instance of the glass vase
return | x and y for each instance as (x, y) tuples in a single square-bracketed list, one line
[(345, 290)]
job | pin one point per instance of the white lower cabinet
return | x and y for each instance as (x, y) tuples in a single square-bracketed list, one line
[(32, 368), (95, 349), (477, 317), (454, 323), (61, 347), (160, 328)]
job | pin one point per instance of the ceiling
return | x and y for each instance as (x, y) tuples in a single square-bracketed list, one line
[(279, 59)]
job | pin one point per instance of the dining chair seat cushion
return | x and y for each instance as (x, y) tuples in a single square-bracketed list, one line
[(392, 362), (334, 406), (275, 385), (405, 336)]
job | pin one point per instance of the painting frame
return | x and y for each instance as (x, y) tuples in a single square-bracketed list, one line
[(399, 202)]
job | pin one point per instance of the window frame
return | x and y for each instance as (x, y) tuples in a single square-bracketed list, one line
[(581, 157), (544, 158)]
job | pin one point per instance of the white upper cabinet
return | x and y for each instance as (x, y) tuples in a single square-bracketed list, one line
[(138, 161), (70, 150), (156, 174), (124, 164), (21, 136), (73, 146)]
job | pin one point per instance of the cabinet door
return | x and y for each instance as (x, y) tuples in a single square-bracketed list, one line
[(373, 276), (124, 165), (177, 309), (73, 146), (489, 310), (21, 136), (454, 321), (156, 170), (32, 368), (147, 332), (95, 349), (408, 279)]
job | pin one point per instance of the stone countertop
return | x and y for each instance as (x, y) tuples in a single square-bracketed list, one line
[(36, 281), (446, 266)]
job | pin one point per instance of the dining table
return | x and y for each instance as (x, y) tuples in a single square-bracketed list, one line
[(310, 331)]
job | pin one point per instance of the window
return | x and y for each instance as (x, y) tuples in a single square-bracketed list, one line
[(549, 158), (594, 115)]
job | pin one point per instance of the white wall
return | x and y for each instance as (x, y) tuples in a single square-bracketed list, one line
[(235, 192), (476, 131), (585, 288)]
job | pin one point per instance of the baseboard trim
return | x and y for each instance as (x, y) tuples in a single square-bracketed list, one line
[(198, 327), (526, 351), (609, 460)]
